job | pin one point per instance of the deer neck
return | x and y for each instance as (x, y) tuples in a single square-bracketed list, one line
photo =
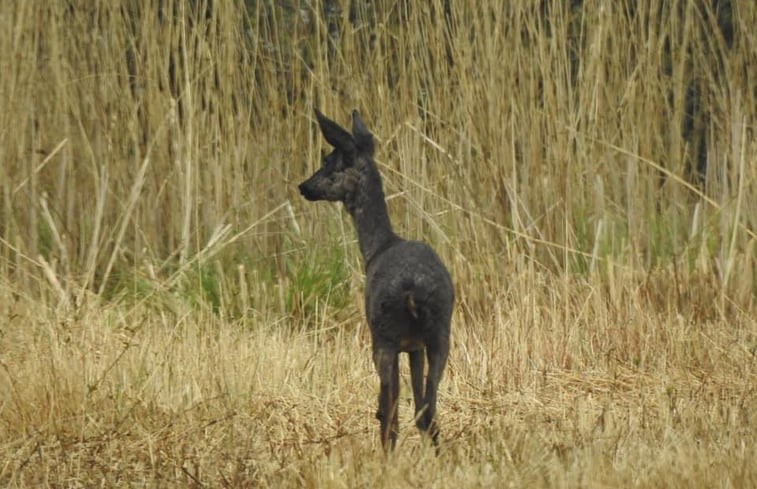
[(371, 217)]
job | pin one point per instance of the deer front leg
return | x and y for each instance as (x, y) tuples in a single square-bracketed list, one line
[(387, 365)]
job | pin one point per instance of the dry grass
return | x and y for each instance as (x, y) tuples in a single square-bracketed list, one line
[(173, 315)]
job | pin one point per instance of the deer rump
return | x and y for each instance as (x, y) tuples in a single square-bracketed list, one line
[(409, 296)]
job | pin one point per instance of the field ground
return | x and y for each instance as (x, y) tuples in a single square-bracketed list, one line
[(544, 392)]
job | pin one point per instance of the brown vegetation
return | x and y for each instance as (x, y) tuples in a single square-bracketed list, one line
[(587, 170)]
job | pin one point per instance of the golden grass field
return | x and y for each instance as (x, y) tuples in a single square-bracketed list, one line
[(174, 314)]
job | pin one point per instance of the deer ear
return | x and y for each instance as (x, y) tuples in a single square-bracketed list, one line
[(361, 134), (335, 134)]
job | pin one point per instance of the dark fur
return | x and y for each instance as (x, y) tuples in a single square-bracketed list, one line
[(408, 292)]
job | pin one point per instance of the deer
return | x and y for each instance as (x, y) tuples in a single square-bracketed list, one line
[(409, 294)]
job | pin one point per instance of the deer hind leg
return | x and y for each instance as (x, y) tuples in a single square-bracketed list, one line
[(436, 353), (387, 365), (417, 366)]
